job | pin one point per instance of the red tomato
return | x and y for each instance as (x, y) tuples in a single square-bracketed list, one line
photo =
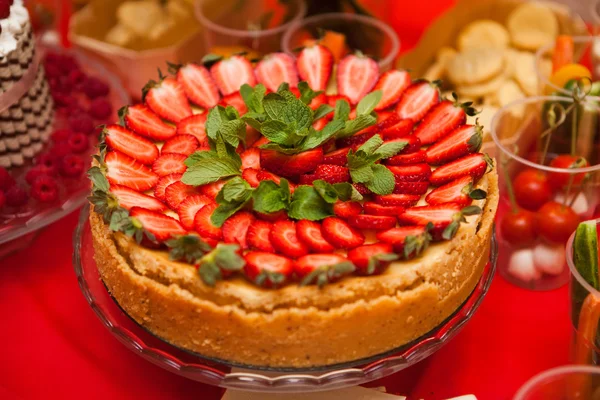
[(560, 180), (556, 222), (532, 189), (518, 228)]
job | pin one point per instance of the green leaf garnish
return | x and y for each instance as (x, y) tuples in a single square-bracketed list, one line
[(269, 197), (234, 195), (308, 204), (189, 248)]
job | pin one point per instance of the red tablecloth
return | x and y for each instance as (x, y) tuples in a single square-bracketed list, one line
[(53, 346)]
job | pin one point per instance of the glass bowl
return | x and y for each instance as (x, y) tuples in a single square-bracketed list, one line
[(533, 256), (366, 34), (35, 215), (571, 382), (232, 26), (246, 377)]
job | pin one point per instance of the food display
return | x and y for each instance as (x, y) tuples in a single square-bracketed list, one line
[(241, 198), (26, 109)]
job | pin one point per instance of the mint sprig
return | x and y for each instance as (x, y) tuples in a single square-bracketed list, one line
[(225, 122), (364, 168), (209, 166), (269, 197), (223, 258), (365, 116), (232, 197), (308, 204), (189, 248)]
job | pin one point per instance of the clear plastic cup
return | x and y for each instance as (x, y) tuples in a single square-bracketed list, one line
[(570, 382), (366, 34), (538, 263), (255, 26)]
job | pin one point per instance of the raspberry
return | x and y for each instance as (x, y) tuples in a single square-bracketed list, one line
[(63, 100), (61, 149), (6, 180), (60, 135), (44, 189), (2, 199), (37, 171), (100, 108), (94, 87), (16, 196), (78, 143), (81, 123), (52, 58), (48, 160), (76, 77), (72, 166)]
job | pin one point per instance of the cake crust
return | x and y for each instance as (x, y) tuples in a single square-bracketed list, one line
[(296, 327)]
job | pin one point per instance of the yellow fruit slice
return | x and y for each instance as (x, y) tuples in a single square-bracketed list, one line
[(568, 72)]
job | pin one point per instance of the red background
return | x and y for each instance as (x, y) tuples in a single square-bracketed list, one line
[(55, 347)]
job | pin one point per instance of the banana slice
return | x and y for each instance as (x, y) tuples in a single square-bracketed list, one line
[(532, 25), (475, 65), (483, 34)]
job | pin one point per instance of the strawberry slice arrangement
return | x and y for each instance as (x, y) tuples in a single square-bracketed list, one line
[(81, 102), (270, 178)]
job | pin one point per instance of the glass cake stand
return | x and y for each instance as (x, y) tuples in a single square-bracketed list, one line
[(246, 377), (24, 224)]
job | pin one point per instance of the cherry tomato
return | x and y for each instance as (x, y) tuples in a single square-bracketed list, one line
[(532, 189), (518, 227), (560, 180), (556, 222)]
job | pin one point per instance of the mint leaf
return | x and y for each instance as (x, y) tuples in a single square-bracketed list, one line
[(383, 180), (275, 131), (253, 98), (224, 211), (306, 93), (308, 204), (210, 170), (199, 156), (280, 148), (284, 86), (235, 189), (296, 112), (346, 192), (342, 110), (368, 103), (326, 191), (356, 125), (390, 149), (319, 137), (252, 120), (274, 105), (231, 198), (362, 174), (269, 197), (322, 111), (231, 113), (214, 119), (233, 132), (371, 145)]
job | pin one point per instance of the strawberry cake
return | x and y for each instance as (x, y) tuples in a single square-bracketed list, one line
[(291, 213), (25, 120)]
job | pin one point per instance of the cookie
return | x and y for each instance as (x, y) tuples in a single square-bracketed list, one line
[(532, 25), (483, 89), (475, 66), (483, 34)]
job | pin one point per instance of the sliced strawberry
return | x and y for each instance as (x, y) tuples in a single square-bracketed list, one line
[(236, 101), (257, 236), (375, 222), (251, 158), (372, 258), (167, 99), (340, 234), (212, 189), (293, 164), (181, 144), (160, 225), (145, 122), (285, 240), (309, 232), (307, 179), (411, 173), (163, 183), (127, 142), (169, 163), (346, 209), (194, 125), (275, 69), (189, 207), (177, 192), (268, 269), (392, 84), (460, 142), (322, 268), (400, 129), (250, 175), (473, 165), (416, 188), (332, 173), (401, 200), (373, 208), (320, 124), (314, 66), (273, 217), (356, 76), (362, 189), (263, 175), (126, 171), (260, 142), (236, 227), (355, 140), (337, 157), (413, 239), (333, 99), (417, 99), (413, 144), (130, 198), (459, 191), (231, 73), (203, 224), (416, 157), (198, 85), (441, 216), (317, 101), (442, 119)]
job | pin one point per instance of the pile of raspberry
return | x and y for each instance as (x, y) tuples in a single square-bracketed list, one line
[(82, 104)]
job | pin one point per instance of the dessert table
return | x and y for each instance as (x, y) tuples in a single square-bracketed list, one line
[(53, 344)]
